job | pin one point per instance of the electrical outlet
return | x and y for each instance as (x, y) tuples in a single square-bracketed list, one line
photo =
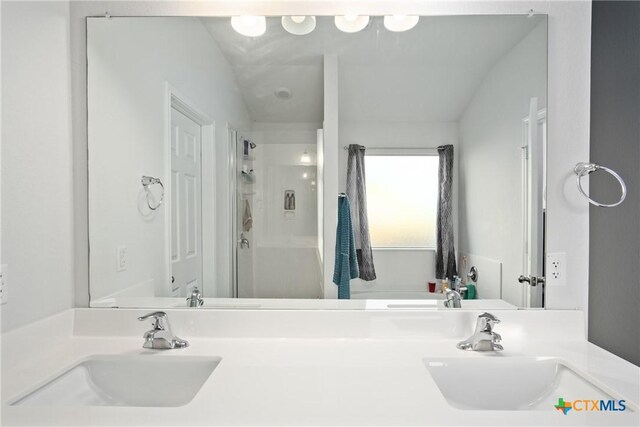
[(121, 258), (556, 269), (4, 283)]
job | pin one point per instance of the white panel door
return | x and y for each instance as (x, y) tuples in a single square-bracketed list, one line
[(186, 204)]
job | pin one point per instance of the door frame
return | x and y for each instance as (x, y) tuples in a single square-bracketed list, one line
[(174, 99), (541, 118), (232, 140)]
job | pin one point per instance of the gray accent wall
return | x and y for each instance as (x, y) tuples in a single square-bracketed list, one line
[(614, 233)]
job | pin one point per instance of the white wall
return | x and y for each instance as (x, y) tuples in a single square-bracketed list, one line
[(569, 59), (491, 137), (37, 198), (130, 63), (568, 105), (330, 155), (398, 269)]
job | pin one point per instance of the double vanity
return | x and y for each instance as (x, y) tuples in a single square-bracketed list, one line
[(213, 158), (313, 367)]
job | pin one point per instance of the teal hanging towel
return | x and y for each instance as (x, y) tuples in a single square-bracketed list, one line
[(346, 265)]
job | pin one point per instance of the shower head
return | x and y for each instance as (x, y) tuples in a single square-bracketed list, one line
[(252, 145)]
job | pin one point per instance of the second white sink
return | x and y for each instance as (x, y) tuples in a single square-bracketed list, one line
[(509, 383), (125, 380)]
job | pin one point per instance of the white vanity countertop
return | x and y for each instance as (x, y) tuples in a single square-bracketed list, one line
[(308, 367), (431, 301)]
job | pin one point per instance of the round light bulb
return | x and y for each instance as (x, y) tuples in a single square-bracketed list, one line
[(351, 23), (299, 25), (249, 25), (249, 20), (398, 23)]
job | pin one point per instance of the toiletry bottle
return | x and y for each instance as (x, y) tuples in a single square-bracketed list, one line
[(471, 291), (444, 285)]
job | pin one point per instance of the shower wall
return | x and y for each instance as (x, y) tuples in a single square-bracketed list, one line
[(284, 239)]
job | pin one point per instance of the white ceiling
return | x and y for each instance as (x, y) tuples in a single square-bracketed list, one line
[(429, 73)]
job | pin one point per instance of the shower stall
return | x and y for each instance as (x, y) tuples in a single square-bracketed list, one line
[(276, 214)]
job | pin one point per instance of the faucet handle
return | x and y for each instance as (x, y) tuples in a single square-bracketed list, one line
[(453, 299), (161, 337), (489, 317), (195, 300), (483, 339), (158, 318), (486, 322)]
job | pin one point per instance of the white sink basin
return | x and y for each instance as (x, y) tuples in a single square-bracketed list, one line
[(495, 382), (125, 380)]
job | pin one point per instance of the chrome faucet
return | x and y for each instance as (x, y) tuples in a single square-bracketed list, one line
[(453, 299), (195, 300), (161, 337), (483, 339)]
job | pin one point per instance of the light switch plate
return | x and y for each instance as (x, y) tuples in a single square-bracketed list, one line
[(121, 258)]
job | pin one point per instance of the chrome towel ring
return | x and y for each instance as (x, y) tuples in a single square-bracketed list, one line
[(583, 169), (148, 181)]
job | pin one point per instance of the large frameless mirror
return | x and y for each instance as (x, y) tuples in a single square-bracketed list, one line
[(210, 172)]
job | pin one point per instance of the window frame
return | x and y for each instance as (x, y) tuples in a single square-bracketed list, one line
[(401, 152)]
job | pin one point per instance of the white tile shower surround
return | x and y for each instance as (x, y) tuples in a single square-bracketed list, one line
[(308, 367)]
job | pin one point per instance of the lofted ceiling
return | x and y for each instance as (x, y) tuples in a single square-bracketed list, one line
[(429, 73)]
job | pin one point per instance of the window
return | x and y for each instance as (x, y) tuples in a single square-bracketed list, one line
[(402, 197)]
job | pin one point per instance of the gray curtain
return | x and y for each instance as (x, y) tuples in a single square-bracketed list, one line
[(445, 251), (357, 193)]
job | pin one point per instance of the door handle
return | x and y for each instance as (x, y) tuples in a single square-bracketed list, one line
[(532, 280)]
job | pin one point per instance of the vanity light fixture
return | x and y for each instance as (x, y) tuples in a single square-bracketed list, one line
[(351, 23), (305, 158), (398, 23), (249, 25), (299, 25)]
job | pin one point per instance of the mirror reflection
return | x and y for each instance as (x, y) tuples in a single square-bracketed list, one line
[(220, 149)]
